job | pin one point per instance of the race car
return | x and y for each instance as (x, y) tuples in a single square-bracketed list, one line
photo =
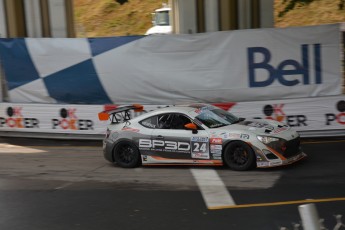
[(197, 134)]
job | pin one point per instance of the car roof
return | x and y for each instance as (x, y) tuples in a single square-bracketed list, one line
[(172, 109)]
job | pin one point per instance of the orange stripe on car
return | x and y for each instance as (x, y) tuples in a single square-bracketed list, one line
[(211, 162), (276, 153), (181, 164)]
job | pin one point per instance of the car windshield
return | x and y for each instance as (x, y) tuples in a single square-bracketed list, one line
[(216, 118)]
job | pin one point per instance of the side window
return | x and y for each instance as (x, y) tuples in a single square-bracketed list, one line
[(165, 120), (151, 122), (179, 121)]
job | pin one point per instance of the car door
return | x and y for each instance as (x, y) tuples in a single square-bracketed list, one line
[(171, 140)]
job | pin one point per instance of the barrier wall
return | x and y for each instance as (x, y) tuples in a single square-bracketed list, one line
[(314, 114), (58, 85), (241, 65)]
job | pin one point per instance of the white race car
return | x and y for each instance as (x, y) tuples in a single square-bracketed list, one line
[(197, 134)]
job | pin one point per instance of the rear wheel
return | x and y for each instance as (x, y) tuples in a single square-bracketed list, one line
[(127, 155), (239, 156)]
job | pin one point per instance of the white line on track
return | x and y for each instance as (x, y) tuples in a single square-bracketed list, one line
[(63, 186), (212, 188)]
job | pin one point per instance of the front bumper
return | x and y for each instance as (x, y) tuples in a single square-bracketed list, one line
[(279, 162), (280, 152)]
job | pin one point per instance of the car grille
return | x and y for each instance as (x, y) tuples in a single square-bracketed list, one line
[(286, 148), (292, 148)]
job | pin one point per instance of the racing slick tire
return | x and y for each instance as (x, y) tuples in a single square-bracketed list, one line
[(239, 156), (127, 155)]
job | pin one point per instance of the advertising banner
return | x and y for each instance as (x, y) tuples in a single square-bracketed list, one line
[(326, 113), (242, 65), (49, 118)]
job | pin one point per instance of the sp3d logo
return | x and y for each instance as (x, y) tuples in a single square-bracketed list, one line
[(69, 120), (340, 117), (15, 119), (165, 146)]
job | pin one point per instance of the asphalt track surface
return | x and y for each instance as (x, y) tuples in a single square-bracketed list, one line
[(51, 184)]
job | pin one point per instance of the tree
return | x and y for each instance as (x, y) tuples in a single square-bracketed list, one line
[(341, 4), (121, 1), (290, 5)]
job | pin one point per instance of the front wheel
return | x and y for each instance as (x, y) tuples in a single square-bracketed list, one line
[(127, 155), (239, 156)]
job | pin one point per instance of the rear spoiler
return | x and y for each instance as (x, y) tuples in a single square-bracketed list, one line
[(124, 110)]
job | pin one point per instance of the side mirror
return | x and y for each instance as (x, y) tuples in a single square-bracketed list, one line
[(191, 126)]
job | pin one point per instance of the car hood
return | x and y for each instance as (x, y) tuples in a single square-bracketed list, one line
[(257, 126)]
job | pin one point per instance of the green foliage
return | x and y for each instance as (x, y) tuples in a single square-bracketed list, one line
[(290, 5), (341, 4), (121, 1), (110, 6)]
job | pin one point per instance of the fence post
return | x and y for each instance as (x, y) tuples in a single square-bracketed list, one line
[(309, 216)]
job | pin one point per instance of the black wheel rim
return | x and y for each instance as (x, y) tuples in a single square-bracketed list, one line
[(239, 156), (126, 154)]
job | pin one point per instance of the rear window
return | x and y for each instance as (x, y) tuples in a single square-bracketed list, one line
[(150, 122)]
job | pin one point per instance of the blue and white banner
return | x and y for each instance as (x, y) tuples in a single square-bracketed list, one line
[(247, 65)]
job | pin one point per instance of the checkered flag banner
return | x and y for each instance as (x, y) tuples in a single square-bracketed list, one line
[(246, 65)]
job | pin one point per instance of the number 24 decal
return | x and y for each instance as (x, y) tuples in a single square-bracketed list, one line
[(199, 147)]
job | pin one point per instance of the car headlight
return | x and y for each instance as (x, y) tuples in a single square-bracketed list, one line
[(266, 139)]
